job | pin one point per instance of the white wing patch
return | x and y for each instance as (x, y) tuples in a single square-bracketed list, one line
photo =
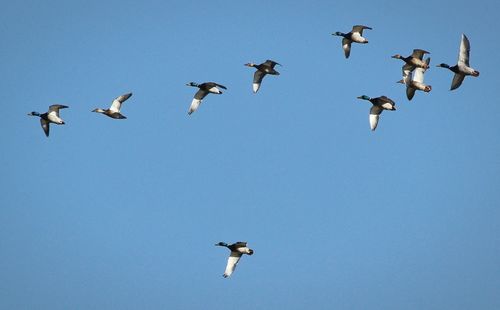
[(194, 105), (374, 116)]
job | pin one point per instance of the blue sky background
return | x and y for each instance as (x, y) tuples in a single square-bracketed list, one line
[(109, 214)]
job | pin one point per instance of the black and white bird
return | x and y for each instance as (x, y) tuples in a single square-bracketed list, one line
[(237, 250), (356, 35), (462, 68), (52, 116), (264, 68), (204, 89), (415, 81), (114, 109), (379, 104)]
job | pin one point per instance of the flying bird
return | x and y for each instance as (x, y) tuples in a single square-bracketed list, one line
[(461, 69), (237, 250), (262, 69), (204, 89), (114, 109), (415, 81), (413, 61), (379, 104), (356, 35), (52, 116)]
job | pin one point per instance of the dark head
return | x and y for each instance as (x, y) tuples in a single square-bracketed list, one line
[(397, 56), (364, 97), (192, 84), (338, 33), (221, 244), (34, 113), (443, 65), (250, 64)]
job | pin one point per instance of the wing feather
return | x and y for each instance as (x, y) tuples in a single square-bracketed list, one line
[(463, 54), (232, 261)]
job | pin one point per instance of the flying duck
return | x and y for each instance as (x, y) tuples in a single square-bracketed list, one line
[(415, 81), (262, 69), (204, 89), (114, 109), (379, 104), (356, 35), (52, 116), (461, 69), (237, 250), (414, 60)]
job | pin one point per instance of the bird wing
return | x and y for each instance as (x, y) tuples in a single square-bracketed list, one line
[(457, 81), (45, 126), (194, 105), (221, 86), (232, 261), (408, 67), (200, 94), (117, 103), (418, 76), (410, 92), (257, 79), (418, 53), (240, 244), (386, 99), (346, 45), (271, 63), (374, 116), (463, 54), (359, 28), (54, 109)]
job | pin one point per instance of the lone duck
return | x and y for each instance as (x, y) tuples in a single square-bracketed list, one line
[(262, 69), (379, 104), (356, 35), (414, 60), (237, 250), (461, 69), (415, 81), (204, 89), (52, 116), (114, 110)]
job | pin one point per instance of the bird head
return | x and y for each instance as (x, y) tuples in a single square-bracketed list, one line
[(397, 56), (443, 65), (34, 113), (364, 97), (250, 64), (192, 84)]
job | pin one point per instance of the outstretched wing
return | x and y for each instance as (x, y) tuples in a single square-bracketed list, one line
[(221, 86), (45, 126), (410, 92), (457, 81), (271, 63), (359, 28), (257, 79), (55, 108), (117, 103), (463, 54), (232, 261), (418, 76), (418, 53), (374, 116), (346, 46)]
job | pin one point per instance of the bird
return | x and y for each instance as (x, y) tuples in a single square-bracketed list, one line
[(51, 116), (379, 104), (461, 69), (114, 109), (204, 89), (413, 61), (415, 81), (356, 35), (264, 68), (237, 250)]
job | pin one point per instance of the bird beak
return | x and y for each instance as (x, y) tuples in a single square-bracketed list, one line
[(359, 97)]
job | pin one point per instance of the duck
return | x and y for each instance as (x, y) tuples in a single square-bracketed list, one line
[(356, 35), (379, 104), (462, 68), (114, 109), (414, 60), (51, 116), (264, 68), (237, 250), (204, 89), (415, 81)]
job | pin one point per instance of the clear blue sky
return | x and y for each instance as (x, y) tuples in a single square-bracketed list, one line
[(109, 214)]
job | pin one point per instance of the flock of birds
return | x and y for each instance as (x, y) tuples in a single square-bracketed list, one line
[(413, 77)]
